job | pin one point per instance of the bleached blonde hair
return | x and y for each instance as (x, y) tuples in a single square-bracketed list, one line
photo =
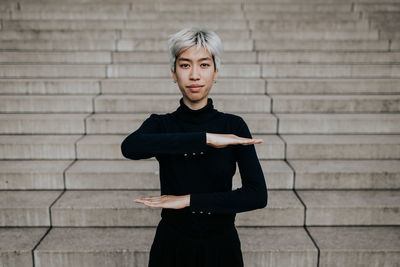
[(190, 36)]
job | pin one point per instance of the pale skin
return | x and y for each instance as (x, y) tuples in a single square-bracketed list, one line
[(195, 67)]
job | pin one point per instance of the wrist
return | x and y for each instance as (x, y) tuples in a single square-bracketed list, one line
[(207, 138), (187, 200)]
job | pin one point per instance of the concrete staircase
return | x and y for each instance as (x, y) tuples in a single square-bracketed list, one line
[(318, 80)]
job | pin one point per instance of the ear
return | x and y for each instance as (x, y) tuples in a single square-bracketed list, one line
[(173, 75), (215, 75)]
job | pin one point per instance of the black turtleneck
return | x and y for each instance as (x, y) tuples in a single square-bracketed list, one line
[(189, 166)]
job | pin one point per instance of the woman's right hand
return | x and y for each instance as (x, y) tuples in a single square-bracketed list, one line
[(222, 140)]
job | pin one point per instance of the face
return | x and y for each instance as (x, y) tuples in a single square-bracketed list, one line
[(195, 74)]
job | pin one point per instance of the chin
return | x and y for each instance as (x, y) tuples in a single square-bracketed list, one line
[(195, 98)]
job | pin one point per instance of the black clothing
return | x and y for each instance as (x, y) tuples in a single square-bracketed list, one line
[(189, 166), (172, 248)]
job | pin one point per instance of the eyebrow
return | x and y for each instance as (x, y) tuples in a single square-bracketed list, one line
[(187, 59)]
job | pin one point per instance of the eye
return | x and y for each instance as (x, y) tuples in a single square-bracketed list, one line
[(206, 64), (184, 65)]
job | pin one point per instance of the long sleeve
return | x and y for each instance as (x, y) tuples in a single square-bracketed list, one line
[(149, 141), (253, 193)]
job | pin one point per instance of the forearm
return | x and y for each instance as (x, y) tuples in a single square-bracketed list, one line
[(146, 145), (236, 201)]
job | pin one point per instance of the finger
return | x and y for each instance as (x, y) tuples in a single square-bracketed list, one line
[(146, 200), (254, 140), (248, 142), (152, 205), (149, 198), (139, 201), (247, 139), (152, 201)]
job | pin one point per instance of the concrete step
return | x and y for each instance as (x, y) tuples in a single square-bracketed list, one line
[(339, 123), (42, 123), (258, 123), (395, 45), (26, 208), (328, 57), (330, 71), (113, 34), (391, 18), (88, 147), (390, 24), (346, 174), (81, 86), (50, 86), (162, 71), (137, 7), (357, 245), (83, 57), (307, 37), (229, 57), (52, 71), (297, 7), (17, 244), (391, 34), (321, 44), (87, 6), (32, 174), (336, 207), (47, 41), (342, 146), (225, 35), (225, 86), (38, 146), (5, 14), (296, 15), (333, 86), (60, 44), (386, 1), (166, 103), (375, 7), (133, 244), (117, 208), (160, 55), (54, 35), (46, 103), (326, 24), (113, 24), (7, 6), (335, 103), (109, 57), (125, 14), (143, 175), (135, 41), (113, 174), (177, 24)]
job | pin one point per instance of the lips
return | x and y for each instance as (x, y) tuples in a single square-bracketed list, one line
[(195, 88)]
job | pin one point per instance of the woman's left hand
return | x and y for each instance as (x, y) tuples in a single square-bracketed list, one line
[(166, 201)]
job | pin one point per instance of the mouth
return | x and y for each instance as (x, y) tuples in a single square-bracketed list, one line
[(195, 88)]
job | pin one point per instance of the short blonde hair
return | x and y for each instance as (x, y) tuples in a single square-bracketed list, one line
[(191, 36)]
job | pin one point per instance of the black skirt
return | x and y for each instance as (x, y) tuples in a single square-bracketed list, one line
[(195, 241)]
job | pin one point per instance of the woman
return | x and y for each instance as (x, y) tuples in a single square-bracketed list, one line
[(197, 148)]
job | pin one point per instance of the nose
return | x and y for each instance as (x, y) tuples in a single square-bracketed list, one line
[(194, 73)]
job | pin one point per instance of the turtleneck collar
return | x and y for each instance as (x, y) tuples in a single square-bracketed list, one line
[(197, 116)]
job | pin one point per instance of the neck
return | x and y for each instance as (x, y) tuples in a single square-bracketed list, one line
[(195, 105), (196, 116)]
